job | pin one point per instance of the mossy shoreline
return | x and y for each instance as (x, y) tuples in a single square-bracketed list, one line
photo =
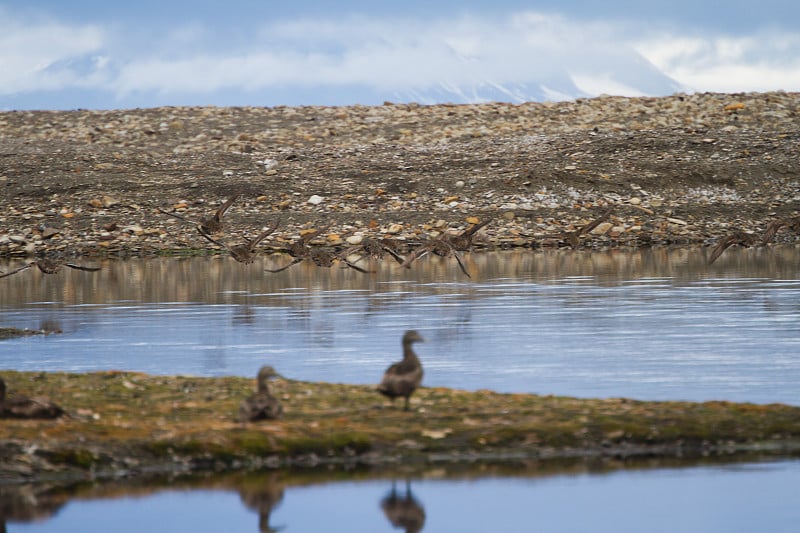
[(10, 333), (122, 424)]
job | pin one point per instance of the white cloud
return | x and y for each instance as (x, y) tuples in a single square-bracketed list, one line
[(33, 56), (764, 61), (558, 55)]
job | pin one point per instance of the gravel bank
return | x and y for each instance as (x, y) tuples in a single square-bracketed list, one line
[(680, 169)]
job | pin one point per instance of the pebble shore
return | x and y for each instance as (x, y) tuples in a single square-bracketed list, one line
[(683, 169)]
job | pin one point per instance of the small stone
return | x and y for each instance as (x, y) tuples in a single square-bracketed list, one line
[(436, 434), (354, 239), (602, 228), (316, 199), (509, 215), (459, 184), (136, 229), (271, 172), (49, 232), (395, 229), (635, 200), (109, 201)]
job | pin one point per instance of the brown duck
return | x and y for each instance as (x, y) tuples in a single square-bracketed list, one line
[(740, 237), (573, 238), (440, 246), (209, 224), (245, 252), (49, 265), (375, 249), (463, 242), (320, 256), (262, 405), (403, 378), (776, 225), (24, 407)]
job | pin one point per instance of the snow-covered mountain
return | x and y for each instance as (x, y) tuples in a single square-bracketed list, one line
[(635, 78)]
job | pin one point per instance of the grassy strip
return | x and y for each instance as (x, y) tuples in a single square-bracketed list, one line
[(129, 420)]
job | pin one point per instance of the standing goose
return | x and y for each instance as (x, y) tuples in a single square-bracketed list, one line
[(262, 405), (24, 407), (403, 378)]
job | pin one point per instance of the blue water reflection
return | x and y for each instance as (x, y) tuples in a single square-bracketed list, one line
[(730, 498)]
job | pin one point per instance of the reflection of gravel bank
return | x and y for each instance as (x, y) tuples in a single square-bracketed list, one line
[(678, 170)]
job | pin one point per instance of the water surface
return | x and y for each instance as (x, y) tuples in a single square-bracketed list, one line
[(732, 497), (648, 324)]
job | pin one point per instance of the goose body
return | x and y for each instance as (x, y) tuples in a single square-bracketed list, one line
[(262, 405), (403, 378), (24, 407)]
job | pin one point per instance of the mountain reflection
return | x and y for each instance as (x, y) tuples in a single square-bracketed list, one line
[(403, 511)]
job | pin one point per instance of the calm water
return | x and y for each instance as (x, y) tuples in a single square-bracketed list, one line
[(652, 324), (756, 496)]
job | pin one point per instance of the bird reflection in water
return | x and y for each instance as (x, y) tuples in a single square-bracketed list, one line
[(29, 503), (244, 315), (263, 494), (404, 512)]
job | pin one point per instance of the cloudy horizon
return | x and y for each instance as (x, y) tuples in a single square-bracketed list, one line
[(52, 59)]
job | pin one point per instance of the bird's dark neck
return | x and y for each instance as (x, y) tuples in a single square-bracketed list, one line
[(408, 351)]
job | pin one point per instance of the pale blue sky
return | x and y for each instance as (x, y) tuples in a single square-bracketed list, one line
[(57, 54)]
